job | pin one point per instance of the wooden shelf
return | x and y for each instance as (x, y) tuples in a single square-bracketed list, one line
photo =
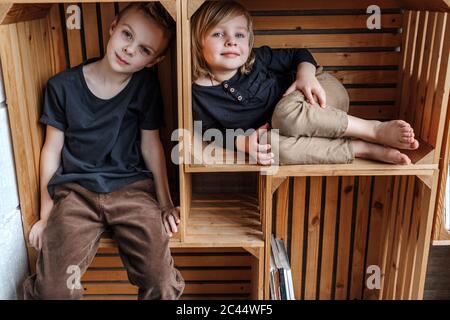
[(224, 221), (422, 165), (217, 221)]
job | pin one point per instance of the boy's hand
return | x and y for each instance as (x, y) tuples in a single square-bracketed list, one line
[(171, 219), (260, 152), (36, 234), (308, 84)]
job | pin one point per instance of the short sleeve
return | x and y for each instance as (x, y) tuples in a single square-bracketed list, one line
[(53, 112), (152, 117), (283, 60)]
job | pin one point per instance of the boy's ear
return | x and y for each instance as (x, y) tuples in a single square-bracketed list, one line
[(158, 60), (113, 26)]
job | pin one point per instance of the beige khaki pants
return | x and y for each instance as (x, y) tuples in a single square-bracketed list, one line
[(309, 134)]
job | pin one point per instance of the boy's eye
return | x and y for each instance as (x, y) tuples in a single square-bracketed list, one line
[(217, 34), (145, 51), (127, 34), (240, 35)]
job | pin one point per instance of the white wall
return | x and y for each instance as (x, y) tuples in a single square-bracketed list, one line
[(13, 256)]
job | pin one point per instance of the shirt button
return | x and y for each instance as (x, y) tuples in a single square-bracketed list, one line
[(232, 90), (226, 85), (239, 98)]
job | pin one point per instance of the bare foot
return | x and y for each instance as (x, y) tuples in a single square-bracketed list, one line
[(377, 152), (395, 133)]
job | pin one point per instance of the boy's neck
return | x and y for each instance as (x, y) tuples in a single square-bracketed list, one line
[(221, 76), (107, 75)]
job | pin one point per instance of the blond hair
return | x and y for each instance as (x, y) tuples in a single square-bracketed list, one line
[(209, 15)]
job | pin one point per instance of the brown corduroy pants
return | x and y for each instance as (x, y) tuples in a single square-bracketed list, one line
[(71, 238), (309, 134)]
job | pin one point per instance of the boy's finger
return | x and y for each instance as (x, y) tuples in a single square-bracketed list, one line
[(308, 95), (173, 225), (167, 227), (321, 97), (289, 90), (264, 147)]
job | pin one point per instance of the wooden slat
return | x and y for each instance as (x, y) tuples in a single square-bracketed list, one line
[(441, 96), (379, 213), (329, 40), (282, 204), (298, 221), (190, 288), (322, 22), (188, 275), (312, 251), (438, 30), (329, 231), (317, 4), (365, 76), (90, 27), (359, 243), (74, 44), (107, 14), (345, 224), (372, 94), (370, 112), (357, 58), (22, 12)]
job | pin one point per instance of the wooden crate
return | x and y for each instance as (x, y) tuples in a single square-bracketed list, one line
[(336, 220)]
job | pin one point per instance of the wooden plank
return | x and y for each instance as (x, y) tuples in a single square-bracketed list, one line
[(108, 14), (22, 12), (426, 211), (424, 79), (372, 94), (298, 220), (365, 76), (434, 5), (317, 4), (282, 204), (188, 275), (190, 288), (312, 251), (345, 224), (90, 27), (373, 112), (441, 96), (403, 275), (357, 58), (57, 57), (318, 22), (434, 74), (359, 243), (353, 40), (379, 214), (417, 68), (408, 45), (328, 242), (74, 45)]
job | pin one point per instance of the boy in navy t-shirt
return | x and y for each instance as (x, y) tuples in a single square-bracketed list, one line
[(102, 164)]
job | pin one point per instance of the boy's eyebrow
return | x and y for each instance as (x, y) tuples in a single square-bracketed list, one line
[(132, 31)]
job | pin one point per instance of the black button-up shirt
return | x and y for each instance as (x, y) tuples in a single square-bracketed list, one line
[(248, 101)]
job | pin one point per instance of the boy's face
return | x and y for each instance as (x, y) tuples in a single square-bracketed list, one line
[(226, 46), (136, 42)]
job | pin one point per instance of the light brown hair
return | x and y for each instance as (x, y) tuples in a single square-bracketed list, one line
[(209, 15), (156, 12)]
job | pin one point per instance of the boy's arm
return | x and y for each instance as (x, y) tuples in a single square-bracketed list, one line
[(153, 154), (50, 161)]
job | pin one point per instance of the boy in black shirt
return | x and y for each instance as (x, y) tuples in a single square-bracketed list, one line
[(102, 122)]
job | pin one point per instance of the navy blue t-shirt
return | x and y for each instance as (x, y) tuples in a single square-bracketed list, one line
[(101, 149), (248, 101)]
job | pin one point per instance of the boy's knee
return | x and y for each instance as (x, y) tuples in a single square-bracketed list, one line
[(336, 94)]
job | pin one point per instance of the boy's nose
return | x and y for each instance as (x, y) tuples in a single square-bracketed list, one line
[(128, 50), (230, 42)]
